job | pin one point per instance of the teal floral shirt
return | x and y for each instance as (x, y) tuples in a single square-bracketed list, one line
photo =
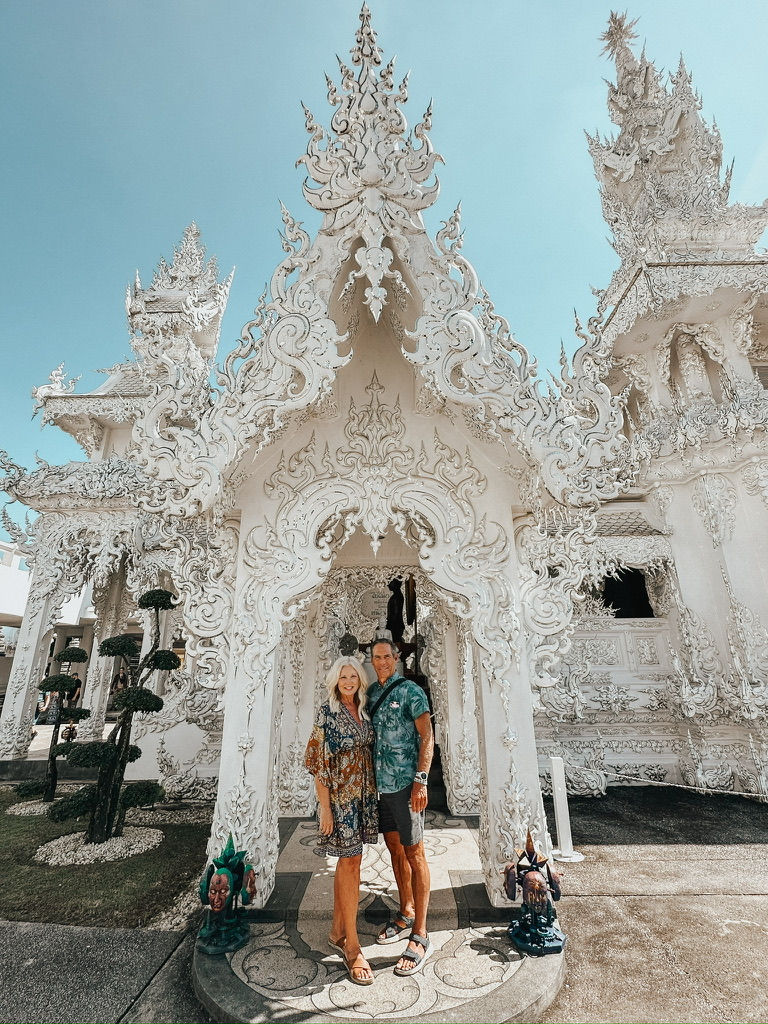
[(396, 750)]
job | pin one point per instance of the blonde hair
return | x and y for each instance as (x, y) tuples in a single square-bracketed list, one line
[(332, 681)]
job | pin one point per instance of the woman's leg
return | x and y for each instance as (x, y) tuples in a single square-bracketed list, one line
[(347, 899), (337, 926)]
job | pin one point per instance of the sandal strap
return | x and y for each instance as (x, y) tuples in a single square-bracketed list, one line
[(411, 954), (421, 939), (354, 966), (393, 928)]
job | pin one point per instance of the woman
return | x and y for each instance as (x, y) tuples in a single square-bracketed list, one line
[(339, 757)]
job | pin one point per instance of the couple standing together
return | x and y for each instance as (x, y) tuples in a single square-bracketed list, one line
[(367, 742)]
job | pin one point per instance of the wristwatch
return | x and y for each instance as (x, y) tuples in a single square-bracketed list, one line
[(421, 778)]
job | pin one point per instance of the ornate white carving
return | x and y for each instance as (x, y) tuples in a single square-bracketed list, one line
[(695, 774), (57, 385), (745, 686), (647, 651), (113, 481), (555, 563), (756, 479), (597, 651), (660, 179), (177, 318), (714, 499), (755, 783), (181, 781), (515, 816), (743, 328), (65, 551), (613, 698)]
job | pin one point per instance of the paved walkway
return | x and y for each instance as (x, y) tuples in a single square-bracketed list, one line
[(288, 972), (667, 920)]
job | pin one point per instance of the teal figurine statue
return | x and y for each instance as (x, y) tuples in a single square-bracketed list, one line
[(536, 930), (226, 882)]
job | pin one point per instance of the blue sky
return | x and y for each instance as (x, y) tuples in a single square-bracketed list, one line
[(122, 121)]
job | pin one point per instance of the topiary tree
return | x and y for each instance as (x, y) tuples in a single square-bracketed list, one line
[(109, 800), (61, 685)]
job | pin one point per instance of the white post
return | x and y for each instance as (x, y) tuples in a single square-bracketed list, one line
[(565, 851)]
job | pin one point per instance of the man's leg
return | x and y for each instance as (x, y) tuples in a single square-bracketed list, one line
[(402, 872), (421, 882)]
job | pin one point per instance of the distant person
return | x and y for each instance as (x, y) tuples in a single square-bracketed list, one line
[(395, 604), (42, 707), (120, 682), (73, 695)]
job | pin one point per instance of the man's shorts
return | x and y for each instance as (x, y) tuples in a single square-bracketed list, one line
[(395, 815)]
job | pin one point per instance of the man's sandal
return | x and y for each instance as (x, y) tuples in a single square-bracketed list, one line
[(355, 966), (419, 959), (393, 932)]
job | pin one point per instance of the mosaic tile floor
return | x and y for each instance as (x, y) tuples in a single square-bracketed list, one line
[(288, 973)]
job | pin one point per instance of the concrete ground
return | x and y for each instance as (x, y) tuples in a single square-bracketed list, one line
[(667, 920)]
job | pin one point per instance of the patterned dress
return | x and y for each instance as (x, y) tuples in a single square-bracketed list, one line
[(339, 755)]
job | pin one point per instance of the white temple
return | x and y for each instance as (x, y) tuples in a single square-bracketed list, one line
[(588, 556)]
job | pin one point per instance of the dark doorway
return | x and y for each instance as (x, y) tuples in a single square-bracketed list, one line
[(626, 593)]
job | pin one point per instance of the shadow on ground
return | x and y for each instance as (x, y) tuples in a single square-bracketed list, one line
[(636, 951), (660, 814)]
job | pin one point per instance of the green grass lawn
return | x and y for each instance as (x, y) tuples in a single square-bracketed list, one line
[(117, 894)]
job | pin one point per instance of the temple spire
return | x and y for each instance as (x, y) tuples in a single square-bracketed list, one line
[(660, 177), (372, 178), (618, 36), (365, 53)]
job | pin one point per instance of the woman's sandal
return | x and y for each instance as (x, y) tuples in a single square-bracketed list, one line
[(393, 931), (419, 959), (355, 966), (337, 946)]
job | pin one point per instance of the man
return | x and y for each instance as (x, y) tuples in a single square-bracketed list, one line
[(403, 754)]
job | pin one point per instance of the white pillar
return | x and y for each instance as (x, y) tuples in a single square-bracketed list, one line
[(246, 801), (45, 601), (565, 851), (111, 604)]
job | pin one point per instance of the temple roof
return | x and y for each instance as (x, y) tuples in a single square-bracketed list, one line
[(660, 178)]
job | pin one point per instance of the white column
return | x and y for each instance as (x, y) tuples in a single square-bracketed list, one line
[(510, 796), (744, 551), (458, 730), (697, 563), (246, 802), (111, 606), (45, 601)]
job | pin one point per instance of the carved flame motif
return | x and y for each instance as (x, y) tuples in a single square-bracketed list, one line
[(370, 175)]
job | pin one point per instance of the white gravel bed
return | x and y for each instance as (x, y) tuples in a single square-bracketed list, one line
[(28, 808), (72, 848)]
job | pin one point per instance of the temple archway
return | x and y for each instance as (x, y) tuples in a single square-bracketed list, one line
[(441, 507)]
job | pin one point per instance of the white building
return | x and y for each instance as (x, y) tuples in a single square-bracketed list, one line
[(378, 421)]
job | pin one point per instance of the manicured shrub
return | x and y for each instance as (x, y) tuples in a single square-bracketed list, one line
[(73, 805), (137, 699), (30, 788), (122, 646), (162, 600), (96, 754), (71, 655), (165, 661), (60, 683)]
